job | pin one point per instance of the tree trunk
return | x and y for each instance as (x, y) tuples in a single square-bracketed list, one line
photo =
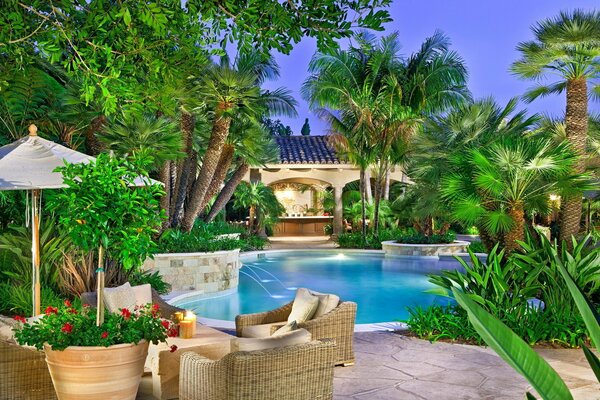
[(184, 168), (379, 182), (220, 175), (368, 189), (517, 232), (219, 133), (386, 190), (227, 191), (363, 205), (251, 220), (577, 129), (488, 240), (164, 175), (92, 144)]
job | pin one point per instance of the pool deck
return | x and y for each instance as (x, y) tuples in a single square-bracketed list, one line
[(392, 366)]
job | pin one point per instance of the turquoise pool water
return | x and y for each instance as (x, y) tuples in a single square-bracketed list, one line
[(382, 286)]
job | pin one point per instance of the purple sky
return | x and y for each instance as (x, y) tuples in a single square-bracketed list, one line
[(485, 33)]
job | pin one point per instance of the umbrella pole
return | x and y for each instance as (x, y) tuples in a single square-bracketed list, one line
[(100, 288), (35, 251)]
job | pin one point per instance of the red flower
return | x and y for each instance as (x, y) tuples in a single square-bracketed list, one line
[(155, 307), (51, 310), (173, 332), (166, 324), (104, 335), (20, 318), (67, 328), (67, 303), (86, 305), (173, 348), (72, 310), (125, 313)]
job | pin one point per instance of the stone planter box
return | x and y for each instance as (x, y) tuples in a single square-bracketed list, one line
[(468, 238), (393, 248), (202, 272)]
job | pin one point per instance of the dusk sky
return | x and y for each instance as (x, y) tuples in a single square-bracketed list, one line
[(485, 33)]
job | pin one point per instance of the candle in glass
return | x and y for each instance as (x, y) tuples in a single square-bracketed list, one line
[(178, 316), (190, 316), (185, 329)]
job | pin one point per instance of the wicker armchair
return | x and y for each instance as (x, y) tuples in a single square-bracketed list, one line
[(298, 372), (166, 310), (337, 324), (24, 374)]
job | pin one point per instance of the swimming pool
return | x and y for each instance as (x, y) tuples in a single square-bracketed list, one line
[(382, 286)]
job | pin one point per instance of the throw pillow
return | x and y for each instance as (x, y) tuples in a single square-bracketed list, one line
[(143, 294), (289, 327), (119, 297), (327, 302), (304, 307)]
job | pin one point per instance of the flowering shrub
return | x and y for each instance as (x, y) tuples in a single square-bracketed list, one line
[(66, 326)]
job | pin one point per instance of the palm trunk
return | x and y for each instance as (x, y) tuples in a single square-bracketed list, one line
[(219, 133), (577, 128), (379, 182), (165, 200), (386, 190), (92, 144), (363, 205), (251, 220), (184, 169), (227, 191), (517, 232), (368, 189), (220, 174)]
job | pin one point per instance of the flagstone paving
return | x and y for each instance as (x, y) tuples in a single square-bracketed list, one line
[(396, 367), (392, 366)]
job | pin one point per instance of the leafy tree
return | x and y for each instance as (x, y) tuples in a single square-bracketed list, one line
[(305, 131), (566, 47), (102, 208), (277, 128)]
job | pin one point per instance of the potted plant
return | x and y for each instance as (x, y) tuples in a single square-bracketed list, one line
[(83, 357), (111, 206)]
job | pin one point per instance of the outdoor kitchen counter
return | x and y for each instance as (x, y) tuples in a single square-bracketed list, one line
[(308, 225)]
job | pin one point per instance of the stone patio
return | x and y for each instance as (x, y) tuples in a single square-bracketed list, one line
[(392, 366)]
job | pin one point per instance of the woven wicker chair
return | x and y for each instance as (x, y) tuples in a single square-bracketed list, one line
[(166, 310), (24, 374), (298, 372), (337, 324)]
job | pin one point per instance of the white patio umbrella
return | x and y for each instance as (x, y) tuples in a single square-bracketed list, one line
[(29, 164)]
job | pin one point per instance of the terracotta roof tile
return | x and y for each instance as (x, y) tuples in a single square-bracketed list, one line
[(306, 150)]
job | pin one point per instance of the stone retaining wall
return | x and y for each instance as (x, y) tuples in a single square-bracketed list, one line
[(394, 248), (202, 272)]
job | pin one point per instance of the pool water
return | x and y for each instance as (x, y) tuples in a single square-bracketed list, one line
[(382, 286)]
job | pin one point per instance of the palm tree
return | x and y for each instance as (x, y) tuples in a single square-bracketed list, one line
[(232, 91), (375, 100), (566, 47), (498, 184), (260, 200), (441, 148)]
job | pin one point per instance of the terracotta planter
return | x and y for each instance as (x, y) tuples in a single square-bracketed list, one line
[(97, 373)]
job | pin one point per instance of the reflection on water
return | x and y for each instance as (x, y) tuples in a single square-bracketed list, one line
[(382, 286)]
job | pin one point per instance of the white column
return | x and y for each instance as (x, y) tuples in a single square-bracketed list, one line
[(338, 210)]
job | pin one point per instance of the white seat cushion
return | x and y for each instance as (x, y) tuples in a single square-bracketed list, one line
[(304, 307), (289, 327), (261, 331), (298, 336), (143, 294), (119, 297)]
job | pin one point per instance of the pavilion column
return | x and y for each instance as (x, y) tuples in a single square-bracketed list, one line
[(338, 227)]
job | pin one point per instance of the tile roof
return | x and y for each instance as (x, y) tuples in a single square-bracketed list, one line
[(306, 150)]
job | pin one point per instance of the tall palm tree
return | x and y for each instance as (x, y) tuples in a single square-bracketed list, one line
[(232, 91), (568, 48), (375, 100), (260, 200), (499, 183)]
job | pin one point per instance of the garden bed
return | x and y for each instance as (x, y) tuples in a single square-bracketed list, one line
[(392, 247)]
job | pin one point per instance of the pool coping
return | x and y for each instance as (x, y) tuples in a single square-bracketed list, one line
[(225, 324)]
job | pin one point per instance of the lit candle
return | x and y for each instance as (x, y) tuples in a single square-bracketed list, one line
[(185, 329), (178, 316), (190, 316)]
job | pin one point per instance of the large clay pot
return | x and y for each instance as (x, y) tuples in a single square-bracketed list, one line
[(97, 373)]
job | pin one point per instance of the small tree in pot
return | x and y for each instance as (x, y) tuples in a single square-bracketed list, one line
[(110, 205)]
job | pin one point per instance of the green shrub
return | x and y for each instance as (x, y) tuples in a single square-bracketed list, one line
[(419, 238), (153, 278), (355, 240), (17, 299), (477, 247)]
